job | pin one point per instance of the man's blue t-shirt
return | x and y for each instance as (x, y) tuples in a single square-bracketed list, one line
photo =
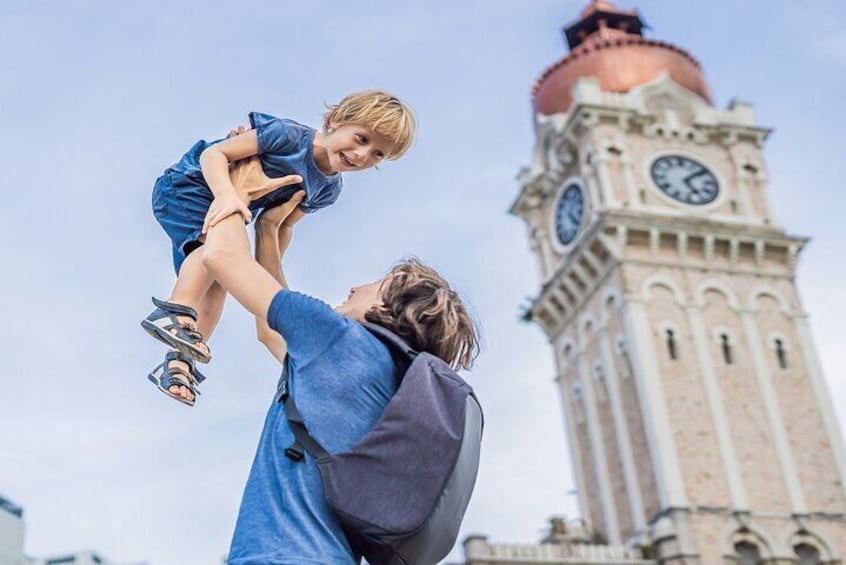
[(342, 377), (285, 147)]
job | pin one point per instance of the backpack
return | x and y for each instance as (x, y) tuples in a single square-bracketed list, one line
[(400, 493)]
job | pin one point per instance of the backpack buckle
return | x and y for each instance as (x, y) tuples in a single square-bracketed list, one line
[(294, 453)]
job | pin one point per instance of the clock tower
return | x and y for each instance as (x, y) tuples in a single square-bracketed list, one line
[(697, 414)]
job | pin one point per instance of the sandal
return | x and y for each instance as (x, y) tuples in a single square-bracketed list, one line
[(163, 319), (164, 377)]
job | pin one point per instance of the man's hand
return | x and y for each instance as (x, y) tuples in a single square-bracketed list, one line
[(250, 184), (238, 130), (272, 217), (249, 180)]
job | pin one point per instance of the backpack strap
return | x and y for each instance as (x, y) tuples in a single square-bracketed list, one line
[(402, 355), (303, 440)]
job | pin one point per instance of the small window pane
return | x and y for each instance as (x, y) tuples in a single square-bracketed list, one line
[(781, 355), (807, 554), (726, 346), (671, 345), (747, 553)]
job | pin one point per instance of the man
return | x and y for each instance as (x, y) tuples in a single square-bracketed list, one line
[(340, 374)]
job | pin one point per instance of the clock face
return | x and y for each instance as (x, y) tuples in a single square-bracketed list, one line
[(685, 180), (568, 214)]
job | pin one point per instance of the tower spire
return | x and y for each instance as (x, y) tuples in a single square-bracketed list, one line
[(601, 16)]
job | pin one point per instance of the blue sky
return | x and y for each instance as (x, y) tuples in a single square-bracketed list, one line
[(99, 97)]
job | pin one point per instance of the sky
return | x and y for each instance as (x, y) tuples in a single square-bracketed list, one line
[(99, 97)]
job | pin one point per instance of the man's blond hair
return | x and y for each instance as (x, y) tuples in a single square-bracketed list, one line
[(381, 111)]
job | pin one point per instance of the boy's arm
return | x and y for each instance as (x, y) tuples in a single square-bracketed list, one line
[(214, 162), (228, 198)]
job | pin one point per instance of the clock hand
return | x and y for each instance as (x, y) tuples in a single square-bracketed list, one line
[(686, 180)]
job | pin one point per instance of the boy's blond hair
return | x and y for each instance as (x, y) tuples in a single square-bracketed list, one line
[(381, 111)]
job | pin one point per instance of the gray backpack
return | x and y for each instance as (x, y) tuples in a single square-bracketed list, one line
[(400, 493)]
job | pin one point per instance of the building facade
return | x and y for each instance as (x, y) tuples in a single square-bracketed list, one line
[(697, 413), (12, 543)]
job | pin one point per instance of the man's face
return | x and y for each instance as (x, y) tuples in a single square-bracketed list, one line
[(353, 147), (360, 300)]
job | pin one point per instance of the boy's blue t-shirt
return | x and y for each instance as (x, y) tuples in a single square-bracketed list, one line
[(285, 147), (342, 377)]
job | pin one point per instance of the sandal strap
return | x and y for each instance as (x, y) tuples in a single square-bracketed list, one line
[(198, 376), (175, 355), (177, 377), (174, 308), (193, 333), (184, 331)]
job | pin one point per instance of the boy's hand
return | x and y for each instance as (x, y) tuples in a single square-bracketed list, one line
[(224, 206), (274, 216)]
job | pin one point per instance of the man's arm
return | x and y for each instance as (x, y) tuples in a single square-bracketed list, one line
[(226, 255), (274, 230), (267, 255), (307, 324)]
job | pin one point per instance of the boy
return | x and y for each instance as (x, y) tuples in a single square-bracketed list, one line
[(197, 192)]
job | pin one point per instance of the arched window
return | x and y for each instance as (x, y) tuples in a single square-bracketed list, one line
[(807, 554), (726, 346), (747, 553), (671, 344), (781, 354)]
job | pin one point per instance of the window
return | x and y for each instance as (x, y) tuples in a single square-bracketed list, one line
[(601, 390), (726, 347), (807, 554), (624, 357), (747, 553), (671, 344), (578, 401), (781, 354)]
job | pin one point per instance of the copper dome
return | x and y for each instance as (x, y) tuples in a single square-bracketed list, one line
[(606, 43)]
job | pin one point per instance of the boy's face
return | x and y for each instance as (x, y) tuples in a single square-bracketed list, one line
[(353, 147)]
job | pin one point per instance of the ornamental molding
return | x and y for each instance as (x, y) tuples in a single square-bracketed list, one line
[(630, 238)]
